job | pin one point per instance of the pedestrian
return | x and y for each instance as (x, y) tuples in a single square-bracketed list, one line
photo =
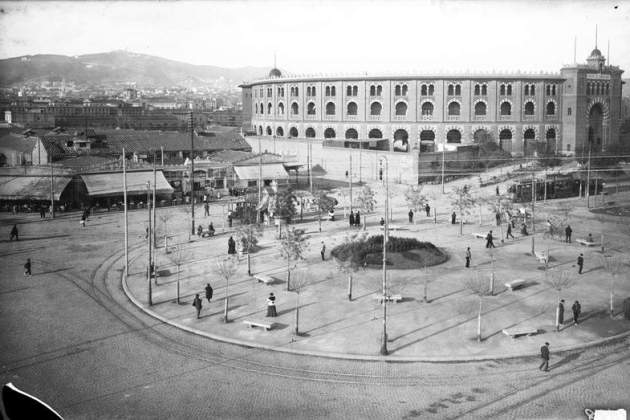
[(382, 222), (211, 229), (14, 233), (323, 251), (468, 257), (509, 231), (567, 233), (83, 218), (351, 219), (209, 292), (497, 217), (489, 239), (271, 306), (453, 218), (42, 212), (146, 233), (357, 219), (427, 208), (560, 314), (577, 309), (230, 219), (544, 355), (590, 238), (27, 268), (410, 216), (497, 190), (580, 263), (197, 304), (199, 230), (206, 208), (231, 246)]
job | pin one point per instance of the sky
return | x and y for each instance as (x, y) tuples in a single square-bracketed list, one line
[(311, 37)]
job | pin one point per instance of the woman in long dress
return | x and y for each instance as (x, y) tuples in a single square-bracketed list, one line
[(271, 305)]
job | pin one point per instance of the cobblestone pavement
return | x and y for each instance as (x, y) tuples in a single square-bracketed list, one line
[(72, 337)]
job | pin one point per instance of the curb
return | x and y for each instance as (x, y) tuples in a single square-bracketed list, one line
[(359, 357)]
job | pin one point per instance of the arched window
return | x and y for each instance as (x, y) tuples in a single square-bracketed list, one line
[(532, 90), (404, 90), (551, 134), (548, 90), (526, 89), (279, 132), (330, 108), (293, 132), (505, 134), (294, 108), (348, 90), (269, 109), (329, 133), (597, 88), (352, 108), (376, 108), (327, 90), (502, 90), (480, 108), (310, 108), (529, 134), (423, 90), (529, 108), (297, 91), (310, 132), (427, 135), (484, 89), (308, 91), (607, 89), (453, 136), (551, 108), (375, 133), (451, 90), (351, 133), (509, 90), (477, 90), (256, 108), (262, 109), (401, 140), (431, 90), (281, 108), (458, 90), (427, 108), (401, 108), (379, 90), (269, 131), (505, 140), (333, 91), (553, 90), (372, 90), (313, 91), (506, 108), (453, 108), (397, 90), (569, 111), (259, 129), (355, 90)]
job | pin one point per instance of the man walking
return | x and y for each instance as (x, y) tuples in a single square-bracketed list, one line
[(509, 231), (567, 233), (14, 233), (427, 208), (489, 240), (468, 257), (577, 309), (206, 209), (544, 355), (357, 219), (580, 263), (453, 218), (351, 219), (560, 315), (323, 251), (197, 304), (410, 216), (231, 246), (27, 268), (209, 292)]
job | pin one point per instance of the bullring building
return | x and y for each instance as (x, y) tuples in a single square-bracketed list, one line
[(328, 118)]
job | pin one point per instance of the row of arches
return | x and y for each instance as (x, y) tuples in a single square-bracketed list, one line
[(597, 88)]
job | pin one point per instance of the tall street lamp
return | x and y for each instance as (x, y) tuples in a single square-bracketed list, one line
[(384, 351)]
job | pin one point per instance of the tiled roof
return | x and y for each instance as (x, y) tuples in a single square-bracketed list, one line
[(17, 142), (231, 156)]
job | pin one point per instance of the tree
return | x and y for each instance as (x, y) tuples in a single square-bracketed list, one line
[(165, 216), (188, 212), (613, 265), (285, 205), (366, 202), (350, 265), (500, 206), (415, 199), (178, 261), (300, 281), (478, 286), (558, 281), (292, 247), (248, 236), (226, 268), (324, 203), (463, 201)]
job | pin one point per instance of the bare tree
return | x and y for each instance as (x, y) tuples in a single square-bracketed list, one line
[(188, 212), (165, 216), (558, 281), (292, 247), (248, 236), (501, 206), (613, 265), (366, 201), (478, 286), (463, 201), (226, 267), (300, 281), (325, 204), (178, 260), (491, 254), (415, 198)]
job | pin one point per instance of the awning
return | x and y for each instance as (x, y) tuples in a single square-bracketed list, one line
[(100, 185), (31, 187), (269, 171)]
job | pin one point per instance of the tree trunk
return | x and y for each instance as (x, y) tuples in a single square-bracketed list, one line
[(225, 308), (479, 321), (365, 221), (249, 263), (492, 280), (426, 284), (319, 219), (612, 297), (297, 314), (288, 275), (177, 284), (558, 313), (350, 287), (461, 225)]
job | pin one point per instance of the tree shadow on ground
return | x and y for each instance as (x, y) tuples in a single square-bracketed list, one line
[(53, 271), (35, 238)]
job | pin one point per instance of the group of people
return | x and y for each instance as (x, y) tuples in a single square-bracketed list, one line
[(427, 209), (203, 234), (198, 303), (355, 219), (197, 300)]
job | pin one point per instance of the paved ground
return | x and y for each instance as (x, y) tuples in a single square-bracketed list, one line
[(72, 337)]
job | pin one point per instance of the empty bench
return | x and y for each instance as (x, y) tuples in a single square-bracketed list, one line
[(542, 257), (391, 227), (392, 298), (515, 284), (586, 243), (480, 235), (514, 332), (260, 324), (264, 278)]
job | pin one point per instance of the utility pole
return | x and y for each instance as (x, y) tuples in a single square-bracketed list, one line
[(533, 201), (443, 159), (588, 176), (192, 171), (350, 182), (124, 162), (149, 242), (154, 194), (384, 351), (310, 165), (52, 188), (162, 156), (259, 178)]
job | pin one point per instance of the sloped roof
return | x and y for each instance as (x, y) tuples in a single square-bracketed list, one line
[(108, 184), (17, 142), (267, 158), (231, 156), (36, 187)]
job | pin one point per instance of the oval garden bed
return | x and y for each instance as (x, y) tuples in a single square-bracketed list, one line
[(402, 253)]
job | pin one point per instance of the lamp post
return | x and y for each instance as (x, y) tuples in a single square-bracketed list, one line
[(149, 242), (192, 171), (124, 162), (384, 351), (588, 176)]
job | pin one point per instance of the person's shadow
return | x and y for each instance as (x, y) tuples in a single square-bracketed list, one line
[(565, 360)]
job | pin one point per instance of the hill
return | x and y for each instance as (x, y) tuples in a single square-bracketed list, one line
[(119, 67)]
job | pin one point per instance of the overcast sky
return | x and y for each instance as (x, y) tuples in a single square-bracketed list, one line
[(327, 36)]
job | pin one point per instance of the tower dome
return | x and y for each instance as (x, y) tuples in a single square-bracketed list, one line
[(596, 53), (275, 73)]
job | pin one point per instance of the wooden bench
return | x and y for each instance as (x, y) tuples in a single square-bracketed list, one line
[(541, 257), (480, 235), (392, 298), (391, 227), (514, 332), (515, 284), (260, 324), (264, 278), (207, 234), (585, 242)]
